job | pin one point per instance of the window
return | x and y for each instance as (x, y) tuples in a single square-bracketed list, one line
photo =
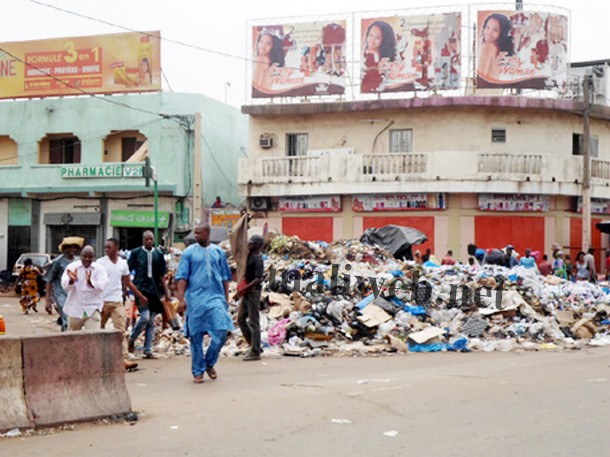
[(577, 144), (401, 140), (498, 135), (8, 151), (129, 145), (64, 150), (297, 144)]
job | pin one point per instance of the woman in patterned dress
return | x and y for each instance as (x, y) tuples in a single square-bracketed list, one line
[(29, 286)]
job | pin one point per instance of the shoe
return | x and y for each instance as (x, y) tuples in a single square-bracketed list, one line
[(131, 345), (250, 356), (211, 372), (150, 355), (198, 379), (130, 366)]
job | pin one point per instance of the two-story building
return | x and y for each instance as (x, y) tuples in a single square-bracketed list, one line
[(74, 166), (414, 118)]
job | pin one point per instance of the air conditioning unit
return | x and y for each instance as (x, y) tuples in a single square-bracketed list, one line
[(259, 203), (265, 141)]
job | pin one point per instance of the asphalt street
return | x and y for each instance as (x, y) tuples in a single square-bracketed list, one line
[(494, 404)]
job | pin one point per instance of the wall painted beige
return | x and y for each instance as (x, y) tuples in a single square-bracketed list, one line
[(449, 128), (466, 235), (8, 151), (112, 145)]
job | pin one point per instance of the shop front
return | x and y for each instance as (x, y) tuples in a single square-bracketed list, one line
[(128, 226)]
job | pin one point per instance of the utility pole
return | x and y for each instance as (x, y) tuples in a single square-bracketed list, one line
[(586, 180), (197, 193), (156, 197), (149, 173)]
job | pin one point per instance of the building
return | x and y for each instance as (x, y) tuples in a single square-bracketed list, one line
[(468, 141), (488, 170), (74, 166)]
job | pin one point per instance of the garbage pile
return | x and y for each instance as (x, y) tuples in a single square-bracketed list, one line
[(350, 298)]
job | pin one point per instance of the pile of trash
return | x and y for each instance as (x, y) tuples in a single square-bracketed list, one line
[(350, 298)]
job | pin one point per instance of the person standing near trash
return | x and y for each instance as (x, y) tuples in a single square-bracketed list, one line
[(55, 293), (590, 260), (85, 281), (150, 269), (114, 294), (559, 265), (511, 258), (527, 261), (248, 317), (203, 292), (448, 259)]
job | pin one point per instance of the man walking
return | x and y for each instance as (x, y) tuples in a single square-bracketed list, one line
[(114, 294), (248, 314), (149, 266), (55, 293), (203, 290), (84, 281)]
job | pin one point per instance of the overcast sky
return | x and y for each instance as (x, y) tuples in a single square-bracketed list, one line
[(221, 25)]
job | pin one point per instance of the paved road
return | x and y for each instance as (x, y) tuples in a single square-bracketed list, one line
[(499, 404)]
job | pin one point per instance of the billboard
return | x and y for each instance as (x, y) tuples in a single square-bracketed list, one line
[(399, 202), (410, 53), (311, 204), (522, 49), (122, 62), (291, 60)]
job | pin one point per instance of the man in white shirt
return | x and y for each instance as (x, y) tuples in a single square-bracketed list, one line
[(84, 281), (115, 291)]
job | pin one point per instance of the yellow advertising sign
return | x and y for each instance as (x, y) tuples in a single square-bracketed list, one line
[(122, 62), (225, 218)]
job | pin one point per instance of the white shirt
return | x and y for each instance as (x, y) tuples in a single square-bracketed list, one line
[(115, 271), (84, 300)]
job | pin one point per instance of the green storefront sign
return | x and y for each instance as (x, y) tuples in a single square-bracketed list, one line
[(125, 218), (102, 171)]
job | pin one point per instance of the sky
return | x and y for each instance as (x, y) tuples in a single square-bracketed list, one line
[(221, 27)]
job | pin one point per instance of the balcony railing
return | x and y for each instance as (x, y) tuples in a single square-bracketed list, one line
[(393, 164), (437, 170), (512, 164), (291, 167), (600, 169)]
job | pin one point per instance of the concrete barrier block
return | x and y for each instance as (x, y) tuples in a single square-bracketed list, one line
[(74, 376), (14, 413)]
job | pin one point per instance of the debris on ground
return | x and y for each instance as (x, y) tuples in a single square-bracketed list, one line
[(350, 298)]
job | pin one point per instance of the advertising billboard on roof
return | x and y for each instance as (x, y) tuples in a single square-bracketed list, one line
[(522, 49), (122, 62), (299, 59), (408, 53)]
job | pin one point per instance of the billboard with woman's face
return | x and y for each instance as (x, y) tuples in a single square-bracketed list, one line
[(410, 53), (291, 60), (522, 49)]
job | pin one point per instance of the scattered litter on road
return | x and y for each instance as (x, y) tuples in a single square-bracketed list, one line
[(341, 421), (13, 433)]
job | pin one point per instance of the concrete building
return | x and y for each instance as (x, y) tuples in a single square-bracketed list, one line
[(486, 169), (65, 167)]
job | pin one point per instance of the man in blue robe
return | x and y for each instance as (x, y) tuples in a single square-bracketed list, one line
[(203, 290)]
